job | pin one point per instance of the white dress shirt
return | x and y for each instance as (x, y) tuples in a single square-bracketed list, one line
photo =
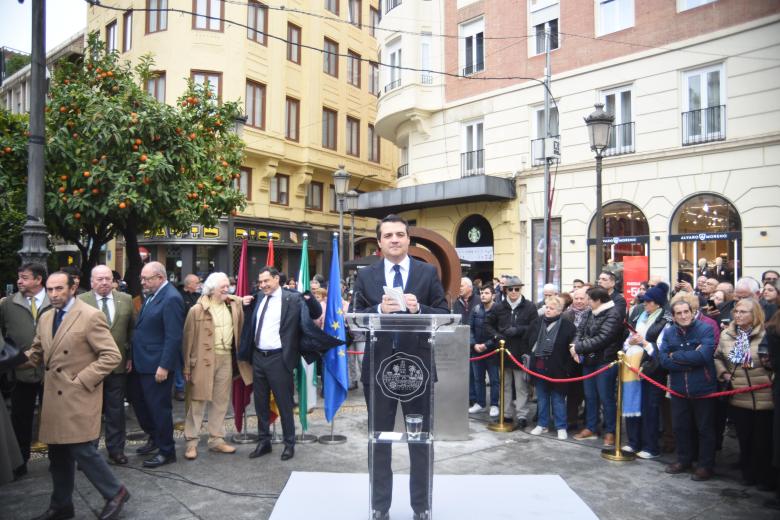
[(390, 274), (110, 303), (38, 300), (269, 335)]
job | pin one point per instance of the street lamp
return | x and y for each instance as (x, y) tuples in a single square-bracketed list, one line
[(352, 206), (599, 125), (341, 184), (238, 130)]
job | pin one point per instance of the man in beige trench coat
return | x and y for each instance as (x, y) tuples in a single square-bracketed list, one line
[(75, 347)]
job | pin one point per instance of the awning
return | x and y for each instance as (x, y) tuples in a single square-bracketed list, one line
[(476, 188)]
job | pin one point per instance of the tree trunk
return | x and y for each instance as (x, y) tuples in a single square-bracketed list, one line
[(133, 252)]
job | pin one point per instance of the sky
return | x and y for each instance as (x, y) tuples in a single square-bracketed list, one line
[(64, 18)]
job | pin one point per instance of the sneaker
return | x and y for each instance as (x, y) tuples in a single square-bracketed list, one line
[(585, 434), (494, 411), (538, 430), (628, 449), (562, 435), (476, 408), (646, 455)]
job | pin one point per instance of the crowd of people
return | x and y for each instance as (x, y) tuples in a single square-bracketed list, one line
[(687, 341)]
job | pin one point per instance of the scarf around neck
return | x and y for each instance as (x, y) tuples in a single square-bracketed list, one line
[(548, 333), (740, 354)]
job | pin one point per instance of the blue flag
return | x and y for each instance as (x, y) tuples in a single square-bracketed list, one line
[(335, 377)]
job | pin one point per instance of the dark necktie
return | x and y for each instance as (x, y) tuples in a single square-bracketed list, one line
[(57, 321), (105, 311), (260, 321), (397, 280)]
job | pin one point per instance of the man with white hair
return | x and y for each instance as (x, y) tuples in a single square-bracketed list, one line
[(548, 290)]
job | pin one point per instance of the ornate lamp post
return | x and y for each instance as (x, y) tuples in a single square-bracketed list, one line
[(341, 184), (238, 130), (352, 206), (599, 125)]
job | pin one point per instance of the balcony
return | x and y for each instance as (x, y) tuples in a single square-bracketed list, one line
[(391, 4), (704, 125), (472, 163), (426, 78), (621, 141), (392, 85), (403, 170), (537, 157), (468, 70)]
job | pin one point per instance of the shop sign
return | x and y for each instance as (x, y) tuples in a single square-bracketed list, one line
[(475, 254), (253, 234), (195, 231), (704, 236), (635, 271), (608, 241)]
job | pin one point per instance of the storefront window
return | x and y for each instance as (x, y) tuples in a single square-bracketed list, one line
[(205, 260), (537, 239), (173, 264), (474, 244), (625, 234)]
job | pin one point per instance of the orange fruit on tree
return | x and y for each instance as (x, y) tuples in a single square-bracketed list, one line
[(143, 158), (138, 141), (63, 109), (94, 161), (86, 174), (62, 189), (95, 191), (63, 177), (77, 215), (7, 149), (122, 205), (135, 147)]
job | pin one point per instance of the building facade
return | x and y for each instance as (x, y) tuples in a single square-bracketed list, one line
[(690, 178), (305, 76)]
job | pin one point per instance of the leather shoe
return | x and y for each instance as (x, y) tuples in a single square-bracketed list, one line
[(380, 515), (422, 515), (262, 448), (288, 453), (702, 474), (117, 458), (147, 448), (179, 395), (677, 468), (159, 460), (57, 514), (114, 505)]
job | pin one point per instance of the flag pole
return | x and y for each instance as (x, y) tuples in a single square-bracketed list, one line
[(244, 437), (332, 438)]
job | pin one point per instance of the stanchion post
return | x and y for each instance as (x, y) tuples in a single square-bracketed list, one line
[(501, 426), (617, 454)]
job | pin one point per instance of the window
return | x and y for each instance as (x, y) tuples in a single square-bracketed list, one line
[(293, 43), (353, 136), (214, 80), (353, 69), (540, 32), (155, 86), (704, 103), (472, 50), (329, 122), (208, 15), (156, 15), (373, 78), (111, 36), (257, 22), (543, 17), (376, 17), (127, 31), (426, 78), (403, 168), (334, 202), (244, 182), (373, 144), (394, 70), (354, 15), (538, 131), (473, 155), (618, 103), (255, 104), (615, 15), (684, 5), (330, 58), (391, 4), (292, 118), (314, 196), (332, 6), (280, 189)]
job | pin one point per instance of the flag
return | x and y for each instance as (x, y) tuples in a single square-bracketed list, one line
[(336, 379), (305, 371), (242, 393), (270, 259)]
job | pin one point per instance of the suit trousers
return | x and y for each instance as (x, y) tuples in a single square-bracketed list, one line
[(689, 415), (114, 412), (754, 433), (383, 413), (62, 465), (153, 409), (270, 375), (23, 399), (220, 399), (521, 386)]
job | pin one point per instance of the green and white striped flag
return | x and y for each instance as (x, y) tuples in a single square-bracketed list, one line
[(307, 374)]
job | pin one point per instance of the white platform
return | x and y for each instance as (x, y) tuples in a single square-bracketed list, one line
[(344, 496)]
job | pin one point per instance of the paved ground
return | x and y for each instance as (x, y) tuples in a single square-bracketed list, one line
[(219, 486)]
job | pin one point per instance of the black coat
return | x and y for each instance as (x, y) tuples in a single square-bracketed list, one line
[(465, 311), (512, 325), (600, 336), (559, 364), (478, 331)]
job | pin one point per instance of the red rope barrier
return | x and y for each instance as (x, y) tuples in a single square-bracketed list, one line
[(566, 380), (484, 356), (724, 393), (355, 352)]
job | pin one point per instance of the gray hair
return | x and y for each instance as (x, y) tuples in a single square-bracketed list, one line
[(550, 287), (467, 281), (212, 281), (157, 268), (749, 283)]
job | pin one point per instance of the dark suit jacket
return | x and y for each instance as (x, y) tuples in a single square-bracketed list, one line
[(422, 281), (158, 332)]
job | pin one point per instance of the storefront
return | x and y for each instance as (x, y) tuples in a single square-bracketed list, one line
[(626, 234), (474, 244)]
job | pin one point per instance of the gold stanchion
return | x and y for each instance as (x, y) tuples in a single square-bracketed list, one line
[(501, 426), (617, 453)]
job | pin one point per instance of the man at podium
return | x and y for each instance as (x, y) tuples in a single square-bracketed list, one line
[(422, 294)]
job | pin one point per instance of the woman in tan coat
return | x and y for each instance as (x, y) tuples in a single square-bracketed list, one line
[(211, 332), (737, 362)]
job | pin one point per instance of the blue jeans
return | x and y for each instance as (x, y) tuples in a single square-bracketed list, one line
[(545, 393), (643, 431), (477, 373), (179, 380), (600, 390)]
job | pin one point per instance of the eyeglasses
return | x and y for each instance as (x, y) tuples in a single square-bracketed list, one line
[(514, 289), (148, 278), (737, 311)]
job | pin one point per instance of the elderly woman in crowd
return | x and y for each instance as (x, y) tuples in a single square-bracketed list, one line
[(211, 333), (686, 351), (599, 338), (549, 339), (643, 429), (737, 362)]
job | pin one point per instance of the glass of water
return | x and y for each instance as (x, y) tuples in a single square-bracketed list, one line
[(414, 424)]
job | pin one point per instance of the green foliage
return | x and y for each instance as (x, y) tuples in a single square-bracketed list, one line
[(13, 179), (14, 62)]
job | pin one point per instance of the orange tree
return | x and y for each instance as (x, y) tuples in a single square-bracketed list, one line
[(120, 162)]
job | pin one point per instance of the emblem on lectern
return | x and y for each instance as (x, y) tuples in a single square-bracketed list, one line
[(402, 376)]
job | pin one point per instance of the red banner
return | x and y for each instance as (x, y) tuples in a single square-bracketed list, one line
[(635, 271)]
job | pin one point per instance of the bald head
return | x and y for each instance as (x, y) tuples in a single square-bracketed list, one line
[(191, 283), (101, 279), (579, 298)]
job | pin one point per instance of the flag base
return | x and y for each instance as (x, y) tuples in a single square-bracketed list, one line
[(332, 439), (306, 438), (244, 438)]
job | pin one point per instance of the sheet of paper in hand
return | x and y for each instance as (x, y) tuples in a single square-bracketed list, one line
[(398, 295)]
